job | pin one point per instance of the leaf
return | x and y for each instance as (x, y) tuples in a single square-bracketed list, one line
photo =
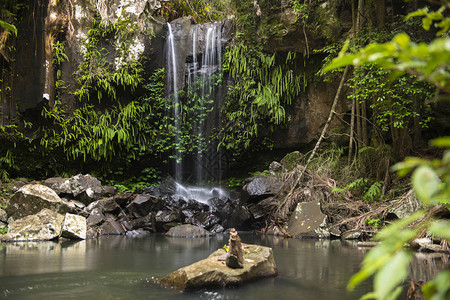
[(440, 229), (426, 184), (9, 27), (442, 142), (391, 275)]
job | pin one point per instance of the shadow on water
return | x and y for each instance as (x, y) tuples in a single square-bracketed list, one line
[(116, 267)]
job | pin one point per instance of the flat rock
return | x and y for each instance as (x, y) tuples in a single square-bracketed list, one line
[(32, 198), (188, 231), (43, 226), (213, 272), (308, 221)]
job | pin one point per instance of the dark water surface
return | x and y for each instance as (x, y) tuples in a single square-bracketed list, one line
[(116, 268)]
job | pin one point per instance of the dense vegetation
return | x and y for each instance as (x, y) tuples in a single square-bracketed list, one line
[(399, 75)]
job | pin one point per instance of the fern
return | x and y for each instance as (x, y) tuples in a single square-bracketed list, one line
[(374, 192)]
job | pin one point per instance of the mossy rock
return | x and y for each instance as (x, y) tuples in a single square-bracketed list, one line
[(291, 160)]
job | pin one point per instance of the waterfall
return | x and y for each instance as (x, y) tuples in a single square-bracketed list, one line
[(173, 98), (201, 97), (211, 63)]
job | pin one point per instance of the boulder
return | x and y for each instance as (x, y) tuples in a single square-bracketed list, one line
[(145, 223), (43, 226), (275, 167), (308, 221), (111, 227), (96, 217), (406, 206), (3, 216), (84, 188), (260, 187), (74, 227), (32, 198), (213, 272), (107, 205), (204, 220), (291, 160), (188, 231), (140, 205)]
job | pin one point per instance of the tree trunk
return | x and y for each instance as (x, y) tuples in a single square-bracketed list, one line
[(365, 138), (381, 13), (352, 130)]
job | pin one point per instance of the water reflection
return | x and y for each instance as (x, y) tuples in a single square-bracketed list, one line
[(116, 267)]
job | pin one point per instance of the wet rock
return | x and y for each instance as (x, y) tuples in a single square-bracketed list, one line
[(187, 213), (166, 216), (188, 231), (74, 227), (260, 187), (351, 235), (217, 228), (32, 198), (168, 186), (274, 230), (231, 212), (96, 217), (145, 223), (43, 226), (140, 205), (111, 227), (204, 219), (84, 188), (197, 206), (307, 220), (213, 272)]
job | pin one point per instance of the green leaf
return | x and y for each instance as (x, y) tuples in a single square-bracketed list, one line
[(442, 142), (426, 184), (440, 229), (391, 275), (9, 27)]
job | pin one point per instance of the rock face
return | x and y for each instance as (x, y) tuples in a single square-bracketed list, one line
[(43, 226), (188, 231), (32, 198), (74, 227), (308, 221), (213, 272)]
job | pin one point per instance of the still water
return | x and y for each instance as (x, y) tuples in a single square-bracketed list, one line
[(116, 267)]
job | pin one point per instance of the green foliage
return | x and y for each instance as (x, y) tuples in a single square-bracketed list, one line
[(96, 76), (9, 27), (373, 222), (374, 192), (3, 230), (200, 10), (392, 101), (427, 62), (264, 85), (389, 261)]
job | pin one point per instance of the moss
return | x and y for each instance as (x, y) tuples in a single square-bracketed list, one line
[(291, 160)]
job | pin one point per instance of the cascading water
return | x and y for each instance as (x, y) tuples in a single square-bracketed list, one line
[(201, 93), (173, 99)]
